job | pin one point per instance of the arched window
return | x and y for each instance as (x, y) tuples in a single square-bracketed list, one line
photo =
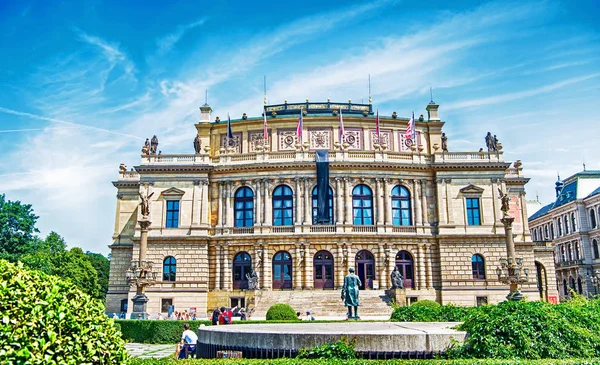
[(283, 206), (362, 205), (405, 263), (559, 225), (478, 266), (546, 234), (365, 268), (242, 266), (552, 231), (315, 207), (535, 235), (169, 268), (593, 218), (282, 270), (595, 249), (574, 222), (244, 207), (401, 206), (323, 266), (566, 218)]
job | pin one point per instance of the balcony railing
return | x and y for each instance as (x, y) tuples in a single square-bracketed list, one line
[(312, 229)]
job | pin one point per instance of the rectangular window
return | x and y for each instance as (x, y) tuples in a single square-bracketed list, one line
[(473, 213), (124, 305), (165, 303), (482, 301), (238, 301), (172, 213)]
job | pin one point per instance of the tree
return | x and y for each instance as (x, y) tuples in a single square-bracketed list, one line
[(17, 226), (77, 267), (102, 266)]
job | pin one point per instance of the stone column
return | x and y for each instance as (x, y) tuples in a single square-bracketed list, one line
[(220, 219), (268, 204), (258, 206), (267, 268), (381, 266), (204, 202), (379, 201), (421, 260), (229, 206), (297, 267), (218, 255), (351, 258), (348, 203), (308, 267), (449, 207), (307, 202), (424, 201), (441, 203), (338, 274), (298, 202), (387, 198), (227, 283), (196, 203), (428, 266), (417, 203), (339, 201)]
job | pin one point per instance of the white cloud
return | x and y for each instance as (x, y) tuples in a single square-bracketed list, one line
[(166, 43)]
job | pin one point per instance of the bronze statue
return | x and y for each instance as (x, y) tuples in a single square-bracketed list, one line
[(397, 279), (489, 142), (495, 143), (350, 290), (145, 204), (153, 145), (505, 199), (444, 143), (197, 144)]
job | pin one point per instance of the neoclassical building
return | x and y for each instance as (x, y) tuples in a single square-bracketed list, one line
[(571, 225), (239, 203)]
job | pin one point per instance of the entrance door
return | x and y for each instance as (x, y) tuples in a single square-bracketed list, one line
[(242, 265), (282, 270), (405, 263), (365, 269), (323, 269)]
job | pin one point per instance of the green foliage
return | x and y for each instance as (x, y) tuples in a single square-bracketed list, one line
[(532, 330), (102, 267), (46, 320), (342, 349), (427, 303), (429, 312), (17, 226), (281, 312), (296, 361), (154, 331)]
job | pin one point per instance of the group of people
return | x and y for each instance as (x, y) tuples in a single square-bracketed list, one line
[(225, 315)]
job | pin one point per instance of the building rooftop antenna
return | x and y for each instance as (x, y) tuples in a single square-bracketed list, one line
[(265, 90), (431, 94), (206, 97), (370, 99)]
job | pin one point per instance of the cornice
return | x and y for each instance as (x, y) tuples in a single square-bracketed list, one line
[(167, 168)]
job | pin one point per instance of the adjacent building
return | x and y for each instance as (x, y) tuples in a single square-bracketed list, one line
[(240, 204), (570, 225)]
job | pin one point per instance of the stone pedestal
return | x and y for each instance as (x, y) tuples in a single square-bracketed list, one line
[(140, 303), (398, 296)]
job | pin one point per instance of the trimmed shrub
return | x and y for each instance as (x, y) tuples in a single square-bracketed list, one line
[(426, 303), (154, 331), (46, 320), (342, 349), (281, 312), (431, 312)]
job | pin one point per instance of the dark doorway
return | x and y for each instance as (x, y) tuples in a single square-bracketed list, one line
[(242, 265), (405, 263), (365, 269), (282, 270), (323, 268)]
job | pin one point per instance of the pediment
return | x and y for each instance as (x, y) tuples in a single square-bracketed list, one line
[(172, 192), (471, 189)]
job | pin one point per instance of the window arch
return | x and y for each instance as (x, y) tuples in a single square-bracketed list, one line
[(283, 206), (559, 226), (573, 222), (401, 214), (169, 268), (593, 218), (566, 218), (282, 270), (535, 235), (478, 267), (315, 207), (405, 264), (362, 205), (244, 207), (552, 231), (242, 266), (546, 235), (595, 249)]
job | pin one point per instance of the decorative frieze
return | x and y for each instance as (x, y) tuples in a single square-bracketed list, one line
[(354, 138), (320, 139), (287, 140), (235, 143)]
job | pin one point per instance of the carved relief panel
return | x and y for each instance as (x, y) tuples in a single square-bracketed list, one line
[(287, 140), (354, 137), (236, 142), (406, 143), (256, 139), (320, 139), (386, 138)]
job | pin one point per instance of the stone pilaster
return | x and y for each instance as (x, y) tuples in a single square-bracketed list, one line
[(268, 204), (441, 202), (348, 201), (387, 199), (220, 217), (417, 203), (421, 265), (204, 202), (424, 201), (196, 201), (339, 262), (307, 202), (218, 258), (258, 206), (298, 202), (227, 268), (308, 267), (267, 267), (339, 201), (298, 263), (379, 202), (380, 266), (229, 204)]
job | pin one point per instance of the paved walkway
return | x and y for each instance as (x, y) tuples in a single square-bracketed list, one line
[(146, 351)]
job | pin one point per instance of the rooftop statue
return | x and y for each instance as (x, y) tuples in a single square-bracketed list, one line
[(153, 145), (444, 142), (197, 144)]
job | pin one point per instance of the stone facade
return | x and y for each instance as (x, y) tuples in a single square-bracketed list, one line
[(434, 245)]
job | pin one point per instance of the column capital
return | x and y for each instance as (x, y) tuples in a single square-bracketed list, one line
[(447, 181), (204, 182), (196, 182)]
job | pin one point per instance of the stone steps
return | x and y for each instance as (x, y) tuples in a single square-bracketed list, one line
[(323, 303)]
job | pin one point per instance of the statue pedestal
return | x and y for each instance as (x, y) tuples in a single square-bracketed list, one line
[(140, 302), (398, 296)]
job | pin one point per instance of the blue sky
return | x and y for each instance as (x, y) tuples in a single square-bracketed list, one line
[(83, 83)]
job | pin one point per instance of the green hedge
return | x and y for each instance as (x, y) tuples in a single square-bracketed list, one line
[(431, 313), (137, 361), (281, 312), (155, 331)]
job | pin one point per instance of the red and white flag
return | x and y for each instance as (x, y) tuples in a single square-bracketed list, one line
[(410, 129), (342, 131), (377, 126), (299, 128), (265, 126)]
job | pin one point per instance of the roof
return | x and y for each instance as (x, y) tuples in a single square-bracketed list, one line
[(567, 194), (595, 192), (543, 211), (320, 107), (295, 116)]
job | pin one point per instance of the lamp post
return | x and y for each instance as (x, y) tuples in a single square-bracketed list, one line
[(511, 269), (140, 273)]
